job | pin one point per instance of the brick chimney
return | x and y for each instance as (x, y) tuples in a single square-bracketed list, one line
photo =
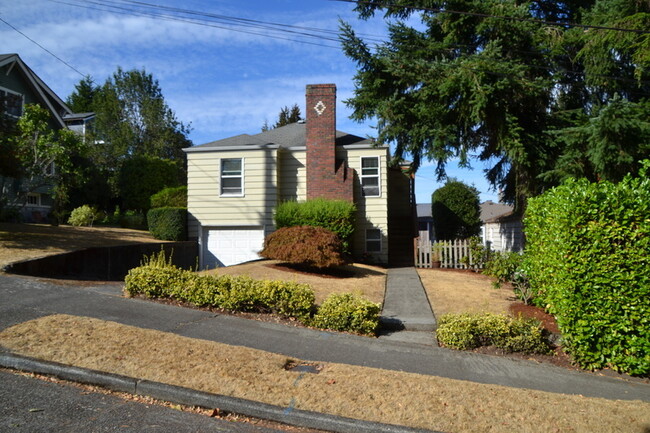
[(326, 177)]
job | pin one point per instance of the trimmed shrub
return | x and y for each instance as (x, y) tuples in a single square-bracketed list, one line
[(158, 278), (469, 331), (170, 197), (456, 212), (142, 176), (84, 216), (310, 246), (168, 223), (133, 220), (587, 259), (348, 312), (337, 216)]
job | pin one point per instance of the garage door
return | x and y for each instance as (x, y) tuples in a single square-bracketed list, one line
[(225, 247)]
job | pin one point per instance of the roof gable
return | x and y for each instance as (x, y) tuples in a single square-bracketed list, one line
[(12, 65)]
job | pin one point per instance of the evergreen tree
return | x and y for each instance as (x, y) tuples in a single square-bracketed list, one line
[(81, 100), (456, 211), (507, 81), (285, 117)]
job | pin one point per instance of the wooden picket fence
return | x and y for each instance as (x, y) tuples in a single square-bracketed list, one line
[(455, 254)]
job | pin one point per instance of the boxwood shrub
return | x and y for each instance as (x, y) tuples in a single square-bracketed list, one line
[(348, 312), (240, 293), (469, 331), (588, 261), (337, 216), (168, 223)]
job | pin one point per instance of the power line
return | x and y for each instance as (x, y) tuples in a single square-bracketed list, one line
[(43, 48), (503, 17)]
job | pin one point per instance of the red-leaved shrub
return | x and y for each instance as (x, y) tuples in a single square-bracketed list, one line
[(306, 245)]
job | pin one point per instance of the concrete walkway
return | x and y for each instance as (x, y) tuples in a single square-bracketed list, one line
[(407, 315)]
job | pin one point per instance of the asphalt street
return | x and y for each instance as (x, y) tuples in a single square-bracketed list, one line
[(30, 405)]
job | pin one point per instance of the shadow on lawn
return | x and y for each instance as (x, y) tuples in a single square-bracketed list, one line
[(346, 271)]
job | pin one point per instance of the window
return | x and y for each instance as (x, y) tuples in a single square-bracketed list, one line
[(373, 240), (370, 176), (232, 177), (33, 199), (13, 102)]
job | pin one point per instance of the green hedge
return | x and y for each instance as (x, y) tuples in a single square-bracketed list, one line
[(168, 223), (238, 293), (469, 331), (170, 197), (337, 216), (348, 312), (588, 260)]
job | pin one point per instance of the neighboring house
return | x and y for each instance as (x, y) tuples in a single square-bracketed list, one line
[(502, 229), (19, 85), (425, 221), (235, 184)]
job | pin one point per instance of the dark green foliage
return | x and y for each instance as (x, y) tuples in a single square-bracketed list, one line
[(466, 80), (81, 100), (142, 176), (587, 259), (170, 197), (132, 220), (348, 312), (469, 331), (502, 265), (168, 223), (310, 246), (337, 216), (287, 115), (163, 280), (456, 211)]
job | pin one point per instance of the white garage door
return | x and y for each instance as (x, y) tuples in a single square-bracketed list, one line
[(225, 247)]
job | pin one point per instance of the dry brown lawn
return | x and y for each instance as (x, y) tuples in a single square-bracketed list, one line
[(27, 241), (369, 281), (358, 392), (453, 291)]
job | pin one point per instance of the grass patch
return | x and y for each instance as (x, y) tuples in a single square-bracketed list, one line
[(464, 292), (28, 241), (358, 392), (368, 281)]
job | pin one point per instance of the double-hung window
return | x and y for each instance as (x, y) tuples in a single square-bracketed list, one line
[(370, 183), (12, 102), (373, 240), (232, 177)]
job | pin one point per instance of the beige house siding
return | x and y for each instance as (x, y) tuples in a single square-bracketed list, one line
[(254, 208), (372, 212), (292, 170)]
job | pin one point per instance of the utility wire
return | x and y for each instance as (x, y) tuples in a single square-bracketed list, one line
[(503, 17), (43, 48)]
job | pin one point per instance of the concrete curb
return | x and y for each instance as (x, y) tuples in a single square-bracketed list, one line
[(190, 397)]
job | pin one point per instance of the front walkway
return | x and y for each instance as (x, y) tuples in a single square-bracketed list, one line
[(407, 314)]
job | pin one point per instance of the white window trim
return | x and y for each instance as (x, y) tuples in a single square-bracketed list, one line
[(378, 175), (38, 200), (221, 194), (381, 245), (22, 101)]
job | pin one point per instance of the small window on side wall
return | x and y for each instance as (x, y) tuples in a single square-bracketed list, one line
[(370, 184), (373, 240), (33, 199), (232, 177)]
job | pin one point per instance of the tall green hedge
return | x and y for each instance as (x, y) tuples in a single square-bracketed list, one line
[(168, 223), (588, 255), (335, 215)]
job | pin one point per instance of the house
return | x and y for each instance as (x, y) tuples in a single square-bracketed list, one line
[(425, 221), (235, 184), (19, 85), (501, 228)]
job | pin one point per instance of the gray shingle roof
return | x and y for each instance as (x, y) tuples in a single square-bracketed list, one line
[(292, 135), (491, 211)]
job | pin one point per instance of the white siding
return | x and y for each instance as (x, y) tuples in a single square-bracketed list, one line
[(293, 175)]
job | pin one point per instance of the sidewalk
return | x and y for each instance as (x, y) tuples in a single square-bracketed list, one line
[(23, 299)]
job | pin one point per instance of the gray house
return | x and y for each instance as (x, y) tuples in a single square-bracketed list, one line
[(501, 227)]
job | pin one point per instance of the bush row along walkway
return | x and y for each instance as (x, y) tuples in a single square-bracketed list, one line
[(23, 298)]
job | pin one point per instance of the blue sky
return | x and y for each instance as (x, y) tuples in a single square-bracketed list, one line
[(223, 79)]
